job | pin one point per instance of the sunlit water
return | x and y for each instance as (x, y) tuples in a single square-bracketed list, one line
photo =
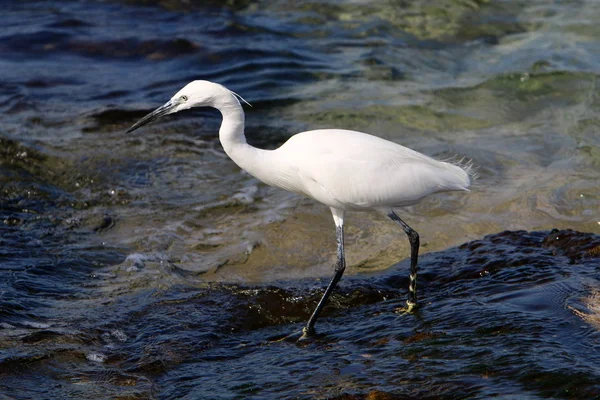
[(148, 265)]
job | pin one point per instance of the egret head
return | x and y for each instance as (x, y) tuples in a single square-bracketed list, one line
[(194, 94)]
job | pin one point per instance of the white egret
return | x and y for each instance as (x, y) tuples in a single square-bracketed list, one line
[(343, 169)]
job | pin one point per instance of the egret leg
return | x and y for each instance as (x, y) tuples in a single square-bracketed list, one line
[(340, 266), (413, 238)]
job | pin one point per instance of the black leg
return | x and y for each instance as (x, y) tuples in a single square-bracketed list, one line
[(340, 266), (413, 238)]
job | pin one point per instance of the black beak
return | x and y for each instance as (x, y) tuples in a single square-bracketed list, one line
[(165, 109)]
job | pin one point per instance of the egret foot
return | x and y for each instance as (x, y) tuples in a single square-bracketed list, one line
[(409, 309), (292, 337), (307, 333)]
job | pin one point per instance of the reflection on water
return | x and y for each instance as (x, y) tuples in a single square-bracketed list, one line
[(148, 265)]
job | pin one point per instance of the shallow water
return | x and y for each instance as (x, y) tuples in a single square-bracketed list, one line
[(148, 265)]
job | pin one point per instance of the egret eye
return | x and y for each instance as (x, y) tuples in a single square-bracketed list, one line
[(184, 98)]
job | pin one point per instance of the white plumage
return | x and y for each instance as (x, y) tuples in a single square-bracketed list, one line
[(351, 170), (343, 169)]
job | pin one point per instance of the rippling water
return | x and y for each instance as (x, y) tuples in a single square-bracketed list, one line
[(147, 265)]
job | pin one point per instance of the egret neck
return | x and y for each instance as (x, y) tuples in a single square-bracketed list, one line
[(257, 162)]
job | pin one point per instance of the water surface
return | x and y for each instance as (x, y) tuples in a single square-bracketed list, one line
[(148, 265)]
